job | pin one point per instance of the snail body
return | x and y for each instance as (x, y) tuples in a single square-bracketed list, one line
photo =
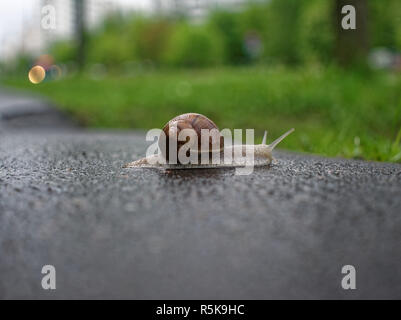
[(228, 156)]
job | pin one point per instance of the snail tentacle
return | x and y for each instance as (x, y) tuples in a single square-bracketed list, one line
[(264, 137), (279, 139)]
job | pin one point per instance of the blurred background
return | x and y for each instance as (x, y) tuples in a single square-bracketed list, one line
[(262, 64)]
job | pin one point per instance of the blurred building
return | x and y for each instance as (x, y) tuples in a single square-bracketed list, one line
[(33, 39), (195, 9), (95, 12)]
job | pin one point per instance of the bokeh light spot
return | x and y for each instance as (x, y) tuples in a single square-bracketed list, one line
[(36, 74), (55, 72)]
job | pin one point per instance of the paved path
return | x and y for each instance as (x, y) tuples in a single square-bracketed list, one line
[(18, 110), (283, 232)]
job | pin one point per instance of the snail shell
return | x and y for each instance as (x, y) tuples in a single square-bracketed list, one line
[(195, 122)]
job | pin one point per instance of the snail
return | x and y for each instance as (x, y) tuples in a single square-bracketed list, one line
[(183, 145)]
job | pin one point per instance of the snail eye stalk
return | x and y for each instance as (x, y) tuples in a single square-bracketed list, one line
[(264, 137), (279, 139)]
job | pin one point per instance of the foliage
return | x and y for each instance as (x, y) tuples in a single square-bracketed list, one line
[(150, 37), (317, 32), (194, 46), (352, 113), (335, 113), (385, 23), (64, 51), (290, 32), (227, 25), (111, 45)]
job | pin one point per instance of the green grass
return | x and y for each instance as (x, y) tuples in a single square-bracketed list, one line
[(335, 113)]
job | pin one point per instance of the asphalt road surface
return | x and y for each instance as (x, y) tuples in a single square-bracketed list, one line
[(19, 110), (283, 232)]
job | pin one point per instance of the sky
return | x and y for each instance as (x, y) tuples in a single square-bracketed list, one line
[(14, 14)]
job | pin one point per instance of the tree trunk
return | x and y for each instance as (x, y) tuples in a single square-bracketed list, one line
[(80, 32), (352, 44)]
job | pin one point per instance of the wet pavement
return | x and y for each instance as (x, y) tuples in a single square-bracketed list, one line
[(283, 232), (21, 110)]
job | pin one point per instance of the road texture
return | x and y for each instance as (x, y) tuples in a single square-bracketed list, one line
[(19, 110), (282, 232)]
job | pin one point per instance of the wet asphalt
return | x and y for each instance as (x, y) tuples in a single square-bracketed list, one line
[(283, 232)]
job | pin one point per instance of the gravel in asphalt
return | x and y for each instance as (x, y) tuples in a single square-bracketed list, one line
[(283, 232)]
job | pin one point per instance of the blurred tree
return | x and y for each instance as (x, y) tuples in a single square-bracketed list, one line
[(385, 23), (112, 45), (63, 51), (289, 32), (352, 44), (79, 9), (194, 46), (226, 23), (110, 49), (282, 36), (316, 32), (254, 22), (150, 37)]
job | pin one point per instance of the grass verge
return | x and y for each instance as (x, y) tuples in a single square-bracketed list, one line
[(335, 113)]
